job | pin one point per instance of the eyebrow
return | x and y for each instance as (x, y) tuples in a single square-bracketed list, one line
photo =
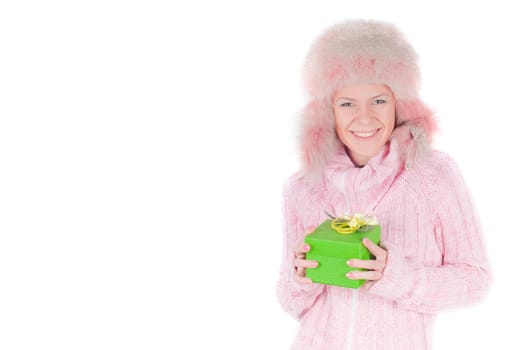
[(353, 99)]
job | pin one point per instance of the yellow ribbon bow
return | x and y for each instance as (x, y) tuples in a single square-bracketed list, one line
[(346, 224)]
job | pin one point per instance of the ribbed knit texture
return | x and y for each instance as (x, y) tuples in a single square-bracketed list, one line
[(436, 253)]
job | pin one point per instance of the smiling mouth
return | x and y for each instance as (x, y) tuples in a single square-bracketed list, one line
[(364, 134)]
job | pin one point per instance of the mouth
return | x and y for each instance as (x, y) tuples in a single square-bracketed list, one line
[(364, 134)]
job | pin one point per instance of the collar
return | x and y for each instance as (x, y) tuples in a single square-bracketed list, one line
[(364, 187)]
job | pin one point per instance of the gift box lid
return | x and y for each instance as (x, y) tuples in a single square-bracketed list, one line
[(328, 242)]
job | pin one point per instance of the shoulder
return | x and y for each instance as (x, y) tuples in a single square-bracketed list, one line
[(436, 173), (298, 191), (439, 164), (293, 183)]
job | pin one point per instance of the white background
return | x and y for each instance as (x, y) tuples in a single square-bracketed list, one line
[(144, 144)]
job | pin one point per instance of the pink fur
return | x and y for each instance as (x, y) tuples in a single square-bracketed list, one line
[(318, 138), (354, 52)]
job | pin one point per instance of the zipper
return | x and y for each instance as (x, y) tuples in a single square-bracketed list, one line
[(354, 292), (343, 190), (354, 300)]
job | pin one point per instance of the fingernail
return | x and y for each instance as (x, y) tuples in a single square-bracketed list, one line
[(350, 262), (350, 274), (307, 247), (313, 264)]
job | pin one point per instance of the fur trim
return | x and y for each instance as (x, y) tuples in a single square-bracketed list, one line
[(318, 138), (415, 127), (361, 52), (354, 52)]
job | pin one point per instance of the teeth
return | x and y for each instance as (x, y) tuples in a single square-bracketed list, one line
[(364, 133)]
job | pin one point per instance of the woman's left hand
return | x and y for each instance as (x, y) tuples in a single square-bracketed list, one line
[(375, 267)]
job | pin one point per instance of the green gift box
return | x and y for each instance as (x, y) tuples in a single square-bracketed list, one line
[(333, 249)]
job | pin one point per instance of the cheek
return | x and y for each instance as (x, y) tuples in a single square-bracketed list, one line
[(341, 122), (389, 118), (340, 125), (342, 117)]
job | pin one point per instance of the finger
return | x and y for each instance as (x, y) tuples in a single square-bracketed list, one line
[(306, 263), (299, 256), (300, 272), (302, 248), (303, 279), (379, 253), (367, 285), (364, 275), (365, 264)]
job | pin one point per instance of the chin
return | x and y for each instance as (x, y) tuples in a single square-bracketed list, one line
[(365, 152)]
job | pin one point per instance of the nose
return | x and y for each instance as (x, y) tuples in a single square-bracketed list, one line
[(365, 113)]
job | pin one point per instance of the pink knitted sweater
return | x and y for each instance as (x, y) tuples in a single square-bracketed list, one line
[(436, 253)]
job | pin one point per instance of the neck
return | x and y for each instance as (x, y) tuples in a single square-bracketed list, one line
[(359, 162)]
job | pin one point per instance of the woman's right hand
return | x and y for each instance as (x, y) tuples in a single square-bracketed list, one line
[(301, 264)]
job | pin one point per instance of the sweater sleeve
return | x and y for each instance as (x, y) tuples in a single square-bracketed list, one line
[(294, 297), (464, 275)]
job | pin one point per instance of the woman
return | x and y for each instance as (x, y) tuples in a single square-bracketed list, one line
[(365, 137)]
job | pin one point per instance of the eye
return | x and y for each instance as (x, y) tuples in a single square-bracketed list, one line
[(379, 101), (345, 104)]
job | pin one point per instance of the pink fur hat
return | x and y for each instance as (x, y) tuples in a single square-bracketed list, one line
[(361, 51)]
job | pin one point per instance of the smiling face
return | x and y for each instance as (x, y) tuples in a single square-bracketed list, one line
[(364, 118)]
